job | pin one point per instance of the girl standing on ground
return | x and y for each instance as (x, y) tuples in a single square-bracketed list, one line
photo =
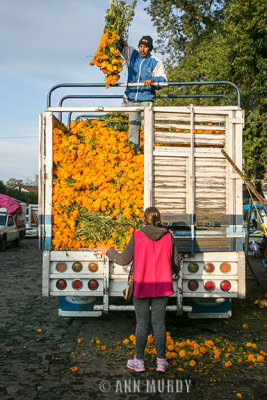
[(155, 258)]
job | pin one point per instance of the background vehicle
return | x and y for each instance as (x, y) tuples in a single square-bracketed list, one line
[(32, 220), (198, 193), (12, 221)]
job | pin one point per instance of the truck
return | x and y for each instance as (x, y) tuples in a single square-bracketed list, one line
[(188, 179), (32, 220), (12, 221)]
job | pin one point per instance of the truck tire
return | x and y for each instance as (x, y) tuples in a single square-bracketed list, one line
[(3, 244), (17, 242)]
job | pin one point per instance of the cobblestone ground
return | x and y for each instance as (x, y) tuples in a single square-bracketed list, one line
[(36, 364)]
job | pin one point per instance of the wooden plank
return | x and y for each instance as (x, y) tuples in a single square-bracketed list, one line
[(148, 156), (172, 125), (167, 151), (211, 110), (184, 138), (214, 119), (172, 201)]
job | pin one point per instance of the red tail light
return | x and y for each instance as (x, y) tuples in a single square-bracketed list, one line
[(209, 267), (209, 286), (193, 285), (61, 284), (93, 284), (225, 286), (77, 284)]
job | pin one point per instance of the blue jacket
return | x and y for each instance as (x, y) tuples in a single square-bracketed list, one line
[(139, 70)]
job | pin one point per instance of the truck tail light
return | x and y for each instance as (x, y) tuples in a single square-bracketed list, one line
[(209, 267), (61, 284), (77, 266), (193, 267), (93, 284), (61, 267), (225, 286), (209, 286), (77, 284), (225, 267), (193, 285), (93, 267)]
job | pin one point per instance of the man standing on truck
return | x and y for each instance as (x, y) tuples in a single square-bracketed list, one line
[(142, 68)]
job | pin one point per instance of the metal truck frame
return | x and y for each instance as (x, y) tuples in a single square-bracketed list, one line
[(199, 195)]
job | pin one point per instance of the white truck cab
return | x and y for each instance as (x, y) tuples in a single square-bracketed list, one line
[(11, 231)]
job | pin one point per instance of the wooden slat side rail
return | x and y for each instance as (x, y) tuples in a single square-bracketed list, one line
[(184, 138), (204, 127)]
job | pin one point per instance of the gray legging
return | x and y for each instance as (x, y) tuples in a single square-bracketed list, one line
[(158, 312)]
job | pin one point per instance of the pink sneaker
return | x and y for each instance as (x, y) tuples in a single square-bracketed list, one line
[(136, 365), (161, 364)]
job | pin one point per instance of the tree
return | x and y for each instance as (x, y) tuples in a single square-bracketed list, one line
[(12, 183), (220, 40), (2, 187)]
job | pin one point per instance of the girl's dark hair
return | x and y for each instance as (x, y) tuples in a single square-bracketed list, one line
[(152, 216)]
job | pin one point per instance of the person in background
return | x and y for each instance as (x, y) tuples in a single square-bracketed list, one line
[(142, 68), (155, 256)]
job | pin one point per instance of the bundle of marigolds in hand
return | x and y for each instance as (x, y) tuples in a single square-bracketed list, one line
[(107, 57)]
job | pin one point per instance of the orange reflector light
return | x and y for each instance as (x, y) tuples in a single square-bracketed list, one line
[(193, 267), (225, 286), (209, 286), (225, 267), (61, 284), (77, 266), (61, 267), (77, 284), (193, 285), (93, 267), (93, 284), (209, 267)]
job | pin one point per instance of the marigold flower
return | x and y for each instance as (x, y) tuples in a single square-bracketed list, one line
[(192, 363), (251, 357), (182, 353)]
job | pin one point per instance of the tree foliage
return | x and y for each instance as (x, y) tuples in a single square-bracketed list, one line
[(25, 197), (205, 40)]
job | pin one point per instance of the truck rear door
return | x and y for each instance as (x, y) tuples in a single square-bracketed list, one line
[(190, 181)]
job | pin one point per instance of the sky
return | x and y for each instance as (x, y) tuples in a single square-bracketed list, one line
[(43, 43)]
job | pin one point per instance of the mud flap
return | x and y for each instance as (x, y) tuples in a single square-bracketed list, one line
[(75, 306), (210, 308)]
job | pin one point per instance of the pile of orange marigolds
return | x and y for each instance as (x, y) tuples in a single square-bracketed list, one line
[(95, 168), (108, 58), (192, 353)]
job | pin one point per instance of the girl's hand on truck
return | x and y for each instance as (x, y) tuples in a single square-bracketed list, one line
[(176, 275), (101, 250)]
